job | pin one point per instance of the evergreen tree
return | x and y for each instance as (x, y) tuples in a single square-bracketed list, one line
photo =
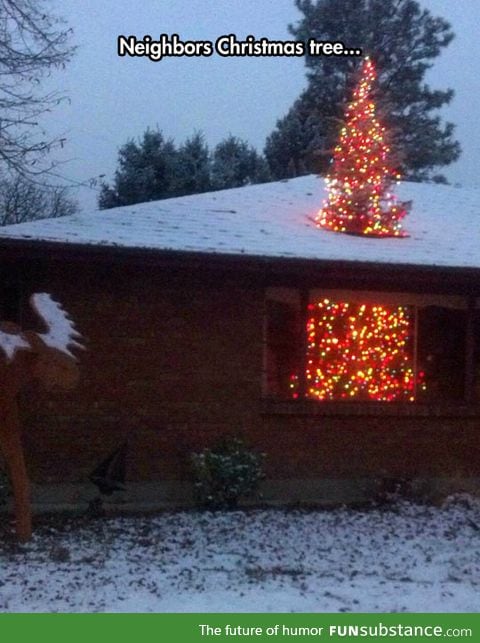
[(236, 163), (146, 172), (360, 200), (403, 40), (153, 168), (193, 166), (286, 146)]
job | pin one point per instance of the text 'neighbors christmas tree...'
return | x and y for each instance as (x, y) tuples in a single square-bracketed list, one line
[(359, 200)]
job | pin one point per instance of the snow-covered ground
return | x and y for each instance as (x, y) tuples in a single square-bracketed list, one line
[(404, 558)]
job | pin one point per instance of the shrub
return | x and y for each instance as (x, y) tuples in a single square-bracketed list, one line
[(227, 473), (390, 491)]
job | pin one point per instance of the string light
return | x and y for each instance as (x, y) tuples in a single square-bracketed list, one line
[(359, 197), (359, 352)]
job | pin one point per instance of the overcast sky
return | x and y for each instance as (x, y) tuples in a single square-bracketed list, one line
[(113, 99)]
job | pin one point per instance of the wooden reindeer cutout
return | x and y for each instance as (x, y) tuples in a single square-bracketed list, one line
[(26, 356)]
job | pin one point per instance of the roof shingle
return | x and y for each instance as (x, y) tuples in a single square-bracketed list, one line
[(276, 220)]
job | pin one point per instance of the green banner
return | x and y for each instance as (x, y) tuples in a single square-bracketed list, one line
[(137, 628)]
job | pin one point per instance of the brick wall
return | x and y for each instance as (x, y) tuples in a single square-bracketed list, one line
[(174, 361), (170, 364), (364, 446)]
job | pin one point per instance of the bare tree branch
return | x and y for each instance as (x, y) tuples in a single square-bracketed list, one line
[(25, 200), (32, 44)]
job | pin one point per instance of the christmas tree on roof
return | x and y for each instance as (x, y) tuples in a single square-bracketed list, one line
[(360, 200)]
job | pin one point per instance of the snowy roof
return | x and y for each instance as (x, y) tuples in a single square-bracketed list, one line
[(275, 220)]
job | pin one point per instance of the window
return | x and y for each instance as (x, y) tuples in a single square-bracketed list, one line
[(283, 343), (366, 346), (441, 352)]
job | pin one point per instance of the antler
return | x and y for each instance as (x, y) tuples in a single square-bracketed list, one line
[(10, 343), (61, 333)]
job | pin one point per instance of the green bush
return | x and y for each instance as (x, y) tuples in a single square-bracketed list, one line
[(226, 474)]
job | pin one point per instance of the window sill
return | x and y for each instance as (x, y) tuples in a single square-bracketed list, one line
[(395, 409)]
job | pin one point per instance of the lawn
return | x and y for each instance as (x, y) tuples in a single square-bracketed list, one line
[(400, 558)]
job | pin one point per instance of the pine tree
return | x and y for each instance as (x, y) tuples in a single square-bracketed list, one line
[(146, 172), (192, 173), (359, 200), (286, 146), (153, 168), (403, 39), (236, 163)]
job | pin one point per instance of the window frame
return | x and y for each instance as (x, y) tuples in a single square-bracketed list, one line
[(466, 406)]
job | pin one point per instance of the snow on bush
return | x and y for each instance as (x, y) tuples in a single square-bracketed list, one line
[(226, 474)]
